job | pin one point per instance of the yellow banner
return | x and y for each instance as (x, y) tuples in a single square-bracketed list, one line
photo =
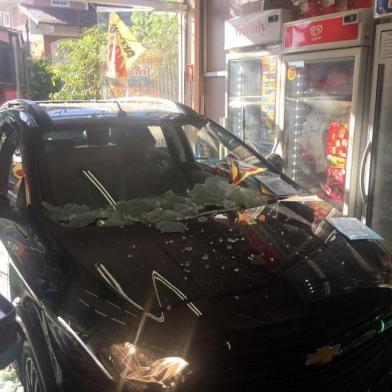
[(123, 47), (239, 174)]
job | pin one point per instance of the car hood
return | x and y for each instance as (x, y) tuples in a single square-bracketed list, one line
[(257, 267), (264, 279)]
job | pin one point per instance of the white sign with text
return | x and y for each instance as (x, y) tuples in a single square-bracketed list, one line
[(257, 28)]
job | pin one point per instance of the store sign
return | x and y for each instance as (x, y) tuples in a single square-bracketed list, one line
[(143, 71), (9, 94), (189, 73), (257, 28), (291, 73), (325, 31)]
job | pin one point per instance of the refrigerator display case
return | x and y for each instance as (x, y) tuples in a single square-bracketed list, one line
[(252, 100), (318, 111), (376, 168), (324, 103), (254, 77)]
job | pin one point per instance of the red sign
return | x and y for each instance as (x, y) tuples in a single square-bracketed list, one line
[(303, 34), (189, 73), (9, 94)]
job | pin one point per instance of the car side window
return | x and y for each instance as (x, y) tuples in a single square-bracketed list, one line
[(15, 176), (157, 133), (11, 169), (205, 145)]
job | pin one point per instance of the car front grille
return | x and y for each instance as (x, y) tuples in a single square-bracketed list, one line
[(360, 368)]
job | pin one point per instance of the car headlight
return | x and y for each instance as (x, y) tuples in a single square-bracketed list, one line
[(137, 365)]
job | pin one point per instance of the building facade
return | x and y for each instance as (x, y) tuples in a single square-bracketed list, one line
[(11, 51), (45, 23)]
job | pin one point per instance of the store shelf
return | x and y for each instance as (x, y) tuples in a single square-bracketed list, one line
[(333, 97), (324, 103), (241, 104), (242, 97)]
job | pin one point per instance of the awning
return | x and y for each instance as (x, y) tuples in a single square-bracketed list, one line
[(59, 16)]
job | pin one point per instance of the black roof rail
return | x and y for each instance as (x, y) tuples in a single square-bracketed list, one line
[(39, 114)]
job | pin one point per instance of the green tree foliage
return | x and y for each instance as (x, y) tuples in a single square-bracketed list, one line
[(80, 61), (156, 30), (39, 80), (78, 66)]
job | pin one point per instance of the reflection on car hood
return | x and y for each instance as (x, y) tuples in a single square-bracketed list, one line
[(257, 267), (280, 268)]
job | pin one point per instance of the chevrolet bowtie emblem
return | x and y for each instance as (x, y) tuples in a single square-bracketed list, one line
[(323, 355)]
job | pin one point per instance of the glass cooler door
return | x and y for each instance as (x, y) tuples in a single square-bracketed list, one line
[(317, 114), (379, 203), (252, 101)]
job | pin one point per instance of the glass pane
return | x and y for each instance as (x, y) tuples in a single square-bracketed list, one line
[(142, 54), (317, 116), (123, 174), (380, 201), (252, 101)]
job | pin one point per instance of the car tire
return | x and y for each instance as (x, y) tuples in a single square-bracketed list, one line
[(33, 370)]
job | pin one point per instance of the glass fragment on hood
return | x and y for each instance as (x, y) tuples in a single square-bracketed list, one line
[(215, 194)]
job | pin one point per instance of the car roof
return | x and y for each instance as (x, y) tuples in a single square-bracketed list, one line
[(141, 108)]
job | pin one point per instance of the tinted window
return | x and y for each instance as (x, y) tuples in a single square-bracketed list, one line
[(6, 73)]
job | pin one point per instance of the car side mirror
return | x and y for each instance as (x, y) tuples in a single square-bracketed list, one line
[(4, 202), (10, 341), (8, 212), (276, 160)]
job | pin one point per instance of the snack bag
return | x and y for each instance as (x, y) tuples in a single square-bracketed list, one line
[(336, 150)]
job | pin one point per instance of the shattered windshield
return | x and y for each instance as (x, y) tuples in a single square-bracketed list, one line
[(161, 173)]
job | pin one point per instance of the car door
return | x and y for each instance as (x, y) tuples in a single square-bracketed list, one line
[(10, 341)]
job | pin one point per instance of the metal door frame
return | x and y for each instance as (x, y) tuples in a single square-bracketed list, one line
[(365, 179), (357, 112), (157, 5)]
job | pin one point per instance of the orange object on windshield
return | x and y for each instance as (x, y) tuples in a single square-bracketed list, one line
[(17, 171)]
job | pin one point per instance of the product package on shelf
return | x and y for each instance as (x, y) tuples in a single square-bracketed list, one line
[(313, 8), (339, 81), (268, 90), (383, 7), (337, 147)]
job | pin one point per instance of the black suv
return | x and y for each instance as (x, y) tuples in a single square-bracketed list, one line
[(149, 249)]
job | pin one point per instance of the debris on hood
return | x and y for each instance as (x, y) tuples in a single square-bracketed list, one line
[(167, 211), (171, 227)]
